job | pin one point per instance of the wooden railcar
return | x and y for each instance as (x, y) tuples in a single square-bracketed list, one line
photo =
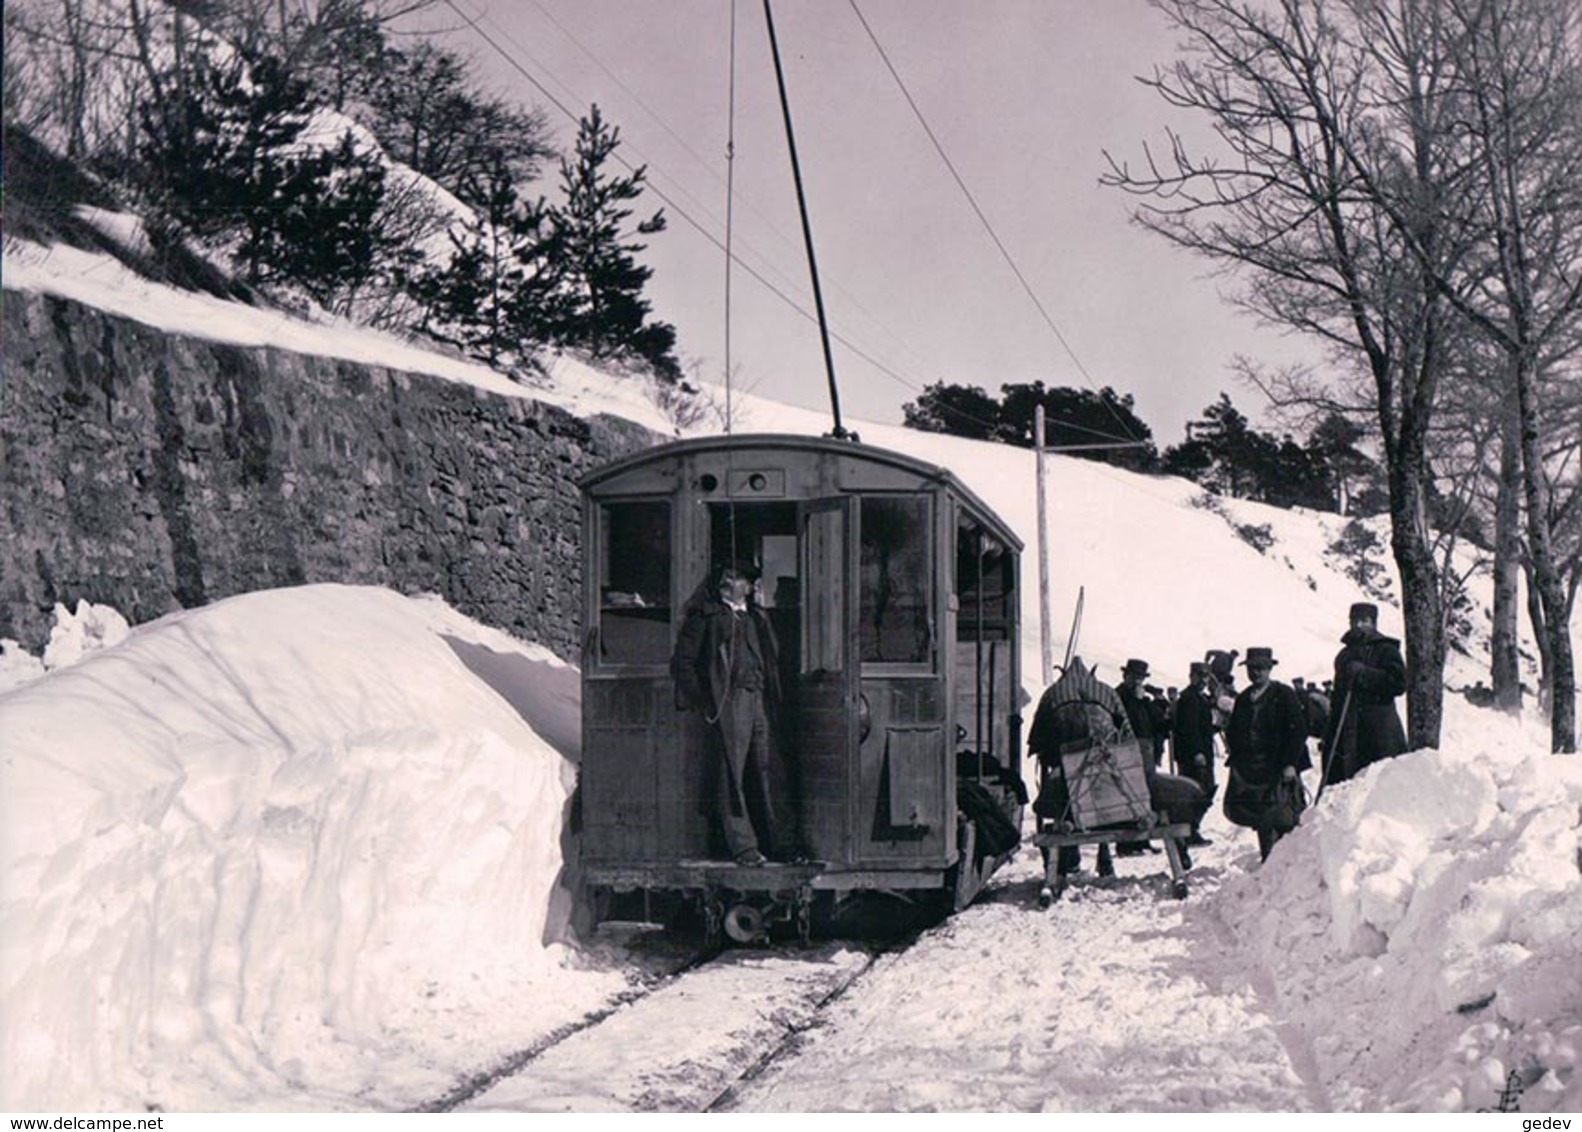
[(893, 592)]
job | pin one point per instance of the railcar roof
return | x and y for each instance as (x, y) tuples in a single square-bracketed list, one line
[(845, 449)]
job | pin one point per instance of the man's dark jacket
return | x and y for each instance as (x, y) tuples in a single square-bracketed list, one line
[(701, 665), (1139, 711), (1280, 740), (1369, 674), (1193, 735)]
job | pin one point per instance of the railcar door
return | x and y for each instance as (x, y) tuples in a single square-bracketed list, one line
[(825, 697)]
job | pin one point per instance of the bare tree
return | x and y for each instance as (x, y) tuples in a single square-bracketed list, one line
[(1300, 101), (1516, 69), (1397, 172)]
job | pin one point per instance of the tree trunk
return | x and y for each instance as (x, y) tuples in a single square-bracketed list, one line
[(1535, 617), (1560, 666), (1420, 598), (76, 112), (1505, 662)]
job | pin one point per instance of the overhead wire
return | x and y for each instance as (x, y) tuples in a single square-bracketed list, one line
[(473, 23), (851, 300), (984, 220), (914, 386)]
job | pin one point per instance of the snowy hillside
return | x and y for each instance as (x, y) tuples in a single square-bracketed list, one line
[(303, 848)]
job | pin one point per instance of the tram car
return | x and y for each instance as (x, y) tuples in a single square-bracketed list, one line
[(893, 594)]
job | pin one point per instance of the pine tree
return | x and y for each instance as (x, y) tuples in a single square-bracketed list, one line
[(214, 153), (608, 315), (475, 300), (226, 158), (959, 410)]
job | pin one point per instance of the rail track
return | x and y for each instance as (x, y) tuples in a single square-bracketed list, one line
[(684, 1039)]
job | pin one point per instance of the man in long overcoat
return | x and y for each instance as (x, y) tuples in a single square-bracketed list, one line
[(1369, 674), (1267, 735), (1193, 730), (1141, 716), (726, 665)]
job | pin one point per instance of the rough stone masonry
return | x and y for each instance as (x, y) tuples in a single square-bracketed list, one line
[(154, 472)]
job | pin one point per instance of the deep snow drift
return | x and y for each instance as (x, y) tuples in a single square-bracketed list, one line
[(293, 849)]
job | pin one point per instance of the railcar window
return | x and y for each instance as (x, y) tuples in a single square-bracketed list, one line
[(983, 586), (985, 697), (896, 577), (634, 583)]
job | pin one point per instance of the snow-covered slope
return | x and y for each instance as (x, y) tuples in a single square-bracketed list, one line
[(300, 849)]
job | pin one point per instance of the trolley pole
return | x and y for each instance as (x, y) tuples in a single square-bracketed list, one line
[(839, 432)]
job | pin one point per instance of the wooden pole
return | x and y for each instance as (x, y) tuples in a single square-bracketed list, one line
[(1045, 642)]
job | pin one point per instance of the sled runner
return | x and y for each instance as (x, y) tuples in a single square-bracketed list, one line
[(1054, 836)]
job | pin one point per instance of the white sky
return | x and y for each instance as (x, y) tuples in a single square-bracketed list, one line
[(1023, 95)]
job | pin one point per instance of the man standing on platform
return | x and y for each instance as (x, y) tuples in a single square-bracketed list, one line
[(726, 665)]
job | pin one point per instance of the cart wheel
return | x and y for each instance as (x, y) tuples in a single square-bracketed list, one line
[(1178, 889), (1046, 896)]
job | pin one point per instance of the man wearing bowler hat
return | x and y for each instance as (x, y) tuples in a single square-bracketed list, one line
[(1140, 714), (1267, 737), (1369, 674)]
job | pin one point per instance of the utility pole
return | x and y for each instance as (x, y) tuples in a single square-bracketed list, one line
[(1046, 644)]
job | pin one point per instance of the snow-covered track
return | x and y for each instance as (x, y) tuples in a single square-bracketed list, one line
[(670, 968), (681, 1046)]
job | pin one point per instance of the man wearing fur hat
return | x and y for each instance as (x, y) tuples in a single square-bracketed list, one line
[(1267, 740), (1369, 674)]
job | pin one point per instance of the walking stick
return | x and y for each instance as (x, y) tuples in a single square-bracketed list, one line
[(1076, 628), (1334, 742)]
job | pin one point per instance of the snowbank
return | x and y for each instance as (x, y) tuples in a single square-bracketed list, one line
[(290, 850), (75, 634), (1424, 926)]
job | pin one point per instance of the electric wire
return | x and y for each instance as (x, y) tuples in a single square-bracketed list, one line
[(982, 219), (768, 264), (779, 293), (886, 370), (730, 200), (851, 301)]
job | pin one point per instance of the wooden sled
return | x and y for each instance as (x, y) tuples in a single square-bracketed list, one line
[(1053, 837)]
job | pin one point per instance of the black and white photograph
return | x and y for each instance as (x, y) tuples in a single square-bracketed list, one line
[(744, 556)]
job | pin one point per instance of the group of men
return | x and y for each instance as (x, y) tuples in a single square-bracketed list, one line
[(1264, 728), (726, 666)]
